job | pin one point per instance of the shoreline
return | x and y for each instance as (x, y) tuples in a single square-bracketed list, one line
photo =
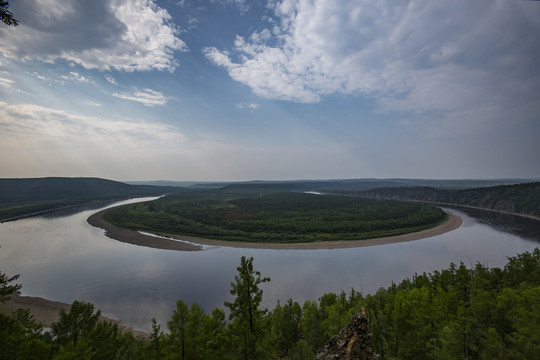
[(136, 238), (47, 312), (165, 241)]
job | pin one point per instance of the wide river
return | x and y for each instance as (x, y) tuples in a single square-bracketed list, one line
[(60, 257)]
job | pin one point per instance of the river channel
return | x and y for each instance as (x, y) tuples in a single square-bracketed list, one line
[(60, 257)]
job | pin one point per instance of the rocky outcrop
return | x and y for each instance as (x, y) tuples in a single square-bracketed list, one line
[(352, 343)]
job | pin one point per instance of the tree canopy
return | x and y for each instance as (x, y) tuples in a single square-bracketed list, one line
[(454, 313), (7, 16)]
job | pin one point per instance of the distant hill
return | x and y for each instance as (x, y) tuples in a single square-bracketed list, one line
[(519, 198), (264, 187), (19, 197), (23, 197)]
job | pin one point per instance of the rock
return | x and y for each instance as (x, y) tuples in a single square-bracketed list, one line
[(352, 343)]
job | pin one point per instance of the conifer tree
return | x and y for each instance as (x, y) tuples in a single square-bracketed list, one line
[(247, 318)]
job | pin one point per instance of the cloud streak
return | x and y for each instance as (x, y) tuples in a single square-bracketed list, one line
[(249, 106), (40, 141), (37, 124), (147, 97)]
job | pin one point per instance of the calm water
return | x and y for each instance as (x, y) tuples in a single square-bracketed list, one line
[(62, 258)]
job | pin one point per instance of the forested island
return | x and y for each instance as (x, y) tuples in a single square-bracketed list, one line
[(288, 217), (454, 313), (32, 196)]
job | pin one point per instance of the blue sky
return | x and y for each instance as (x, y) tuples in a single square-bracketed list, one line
[(290, 89)]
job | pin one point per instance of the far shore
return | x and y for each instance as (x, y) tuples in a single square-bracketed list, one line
[(191, 243)]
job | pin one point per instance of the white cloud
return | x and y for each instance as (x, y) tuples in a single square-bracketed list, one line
[(249, 106), (110, 79), (129, 35), (417, 56), (147, 97), (93, 103), (35, 123), (5, 81), (242, 5), (75, 76), (40, 141), (39, 76)]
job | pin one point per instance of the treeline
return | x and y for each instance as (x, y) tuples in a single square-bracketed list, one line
[(455, 313), (265, 187), (520, 198), (276, 217)]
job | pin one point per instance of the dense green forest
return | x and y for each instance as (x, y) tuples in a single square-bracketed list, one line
[(30, 196), (20, 197), (455, 313), (519, 198), (276, 217)]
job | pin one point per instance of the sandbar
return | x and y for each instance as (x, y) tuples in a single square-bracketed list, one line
[(136, 238), (166, 241)]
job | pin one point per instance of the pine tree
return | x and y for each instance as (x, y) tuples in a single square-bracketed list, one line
[(247, 318)]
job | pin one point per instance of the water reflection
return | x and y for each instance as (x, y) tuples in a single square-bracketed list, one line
[(521, 226), (62, 258), (72, 210)]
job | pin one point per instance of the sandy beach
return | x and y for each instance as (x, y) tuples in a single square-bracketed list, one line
[(136, 238)]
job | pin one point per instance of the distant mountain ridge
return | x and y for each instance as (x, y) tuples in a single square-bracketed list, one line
[(19, 197), (29, 196), (518, 199), (60, 188), (261, 186)]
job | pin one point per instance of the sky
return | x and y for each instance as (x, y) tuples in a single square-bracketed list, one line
[(233, 90)]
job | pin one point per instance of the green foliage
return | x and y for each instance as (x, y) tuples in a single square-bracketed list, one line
[(455, 313), (78, 322), (6, 15), (21, 338), (276, 217), (247, 327), (187, 333), (155, 345), (6, 288)]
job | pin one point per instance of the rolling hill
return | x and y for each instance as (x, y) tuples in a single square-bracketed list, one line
[(521, 199), (23, 197)]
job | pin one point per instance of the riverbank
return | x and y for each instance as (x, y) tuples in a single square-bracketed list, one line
[(136, 238), (166, 240), (47, 312), (51, 210)]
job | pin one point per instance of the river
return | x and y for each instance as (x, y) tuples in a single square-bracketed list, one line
[(60, 257)]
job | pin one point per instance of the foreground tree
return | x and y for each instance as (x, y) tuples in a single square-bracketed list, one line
[(155, 339), (247, 325), (21, 337), (78, 322), (6, 288), (6, 15)]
